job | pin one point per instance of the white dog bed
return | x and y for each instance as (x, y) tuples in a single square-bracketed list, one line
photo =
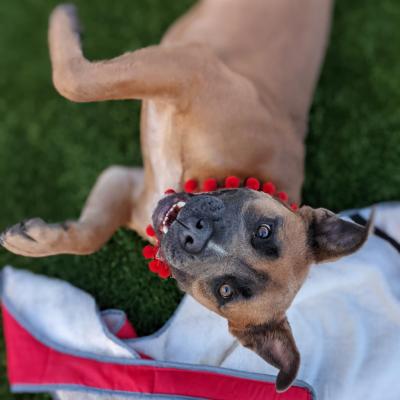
[(345, 319)]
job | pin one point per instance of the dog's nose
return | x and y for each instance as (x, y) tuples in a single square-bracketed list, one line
[(195, 233)]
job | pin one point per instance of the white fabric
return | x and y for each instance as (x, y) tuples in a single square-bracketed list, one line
[(345, 319), (60, 312)]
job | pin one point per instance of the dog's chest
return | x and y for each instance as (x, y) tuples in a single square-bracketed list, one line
[(161, 144)]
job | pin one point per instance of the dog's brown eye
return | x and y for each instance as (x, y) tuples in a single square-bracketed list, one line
[(263, 231), (225, 291)]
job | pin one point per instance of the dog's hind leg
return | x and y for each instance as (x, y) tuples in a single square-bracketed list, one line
[(152, 72), (109, 206)]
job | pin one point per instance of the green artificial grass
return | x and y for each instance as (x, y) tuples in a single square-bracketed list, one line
[(51, 150)]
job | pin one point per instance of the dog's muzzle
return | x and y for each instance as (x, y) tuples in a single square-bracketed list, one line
[(191, 225)]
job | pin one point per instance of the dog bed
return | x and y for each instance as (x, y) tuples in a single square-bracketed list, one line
[(345, 319)]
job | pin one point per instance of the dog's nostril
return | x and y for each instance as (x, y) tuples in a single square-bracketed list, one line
[(194, 233), (188, 240), (200, 224)]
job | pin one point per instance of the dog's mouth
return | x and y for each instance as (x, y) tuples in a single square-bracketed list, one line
[(167, 212), (170, 216)]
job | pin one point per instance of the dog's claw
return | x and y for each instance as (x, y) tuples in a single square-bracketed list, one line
[(22, 228), (26, 236), (36, 238), (33, 237)]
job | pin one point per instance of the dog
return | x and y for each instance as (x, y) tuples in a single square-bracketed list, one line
[(227, 92)]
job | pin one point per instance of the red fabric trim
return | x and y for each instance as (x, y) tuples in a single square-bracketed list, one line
[(127, 331), (30, 362)]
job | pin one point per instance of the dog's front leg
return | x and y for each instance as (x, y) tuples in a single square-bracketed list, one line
[(109, 206)]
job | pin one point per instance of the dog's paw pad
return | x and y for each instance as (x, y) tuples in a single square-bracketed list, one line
[(33, 237)]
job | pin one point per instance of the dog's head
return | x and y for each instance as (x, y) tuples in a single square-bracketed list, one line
[(244, 255)]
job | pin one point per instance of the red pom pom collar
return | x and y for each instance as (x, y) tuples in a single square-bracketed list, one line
[(231, 182), (155, 265)]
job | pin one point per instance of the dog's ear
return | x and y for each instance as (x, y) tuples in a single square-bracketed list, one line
[(274, 343), (331, 237)]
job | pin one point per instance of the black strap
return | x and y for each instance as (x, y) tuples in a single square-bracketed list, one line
[(357, 218)]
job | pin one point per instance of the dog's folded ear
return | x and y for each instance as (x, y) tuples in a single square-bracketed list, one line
[(331, 237), (274, 343)]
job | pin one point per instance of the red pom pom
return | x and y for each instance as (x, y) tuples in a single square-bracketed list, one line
[(253, 183), (154, 266), (150, 231), (190, 185), (149, 251), (169, 191), (269, 188), (232, 182), (283, 196), (294, 206), (164, 271), (210, 184)]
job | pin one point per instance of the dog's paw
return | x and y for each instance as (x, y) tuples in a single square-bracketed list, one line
[(34, 238)]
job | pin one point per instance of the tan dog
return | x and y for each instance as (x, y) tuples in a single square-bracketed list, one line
[(227, 92)]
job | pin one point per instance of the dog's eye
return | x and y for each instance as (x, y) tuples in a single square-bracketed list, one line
[(225, 291), (263, 231)]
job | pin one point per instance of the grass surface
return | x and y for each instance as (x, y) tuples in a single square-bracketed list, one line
[(51, 150)]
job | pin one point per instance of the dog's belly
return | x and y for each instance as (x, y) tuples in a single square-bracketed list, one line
[(160, 146), (249, 38)]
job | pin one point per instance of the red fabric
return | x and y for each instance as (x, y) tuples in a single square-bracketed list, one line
[(283, 196), (269, 188), (253, 183), (154, 266), (210, 185), (150, 231), (232, 182), (31, 362), (149, 252), (160, 268), (190, 185), (164, 271), (127, 331)]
